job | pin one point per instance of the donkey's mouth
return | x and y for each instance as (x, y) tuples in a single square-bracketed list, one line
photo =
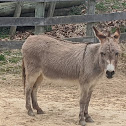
[(109, 77), (109, 74)]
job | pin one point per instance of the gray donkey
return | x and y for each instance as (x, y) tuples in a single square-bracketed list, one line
[(44, 56)]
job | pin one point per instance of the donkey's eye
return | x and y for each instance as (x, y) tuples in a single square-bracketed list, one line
[(116, 53), (103, 54), (115, 36)]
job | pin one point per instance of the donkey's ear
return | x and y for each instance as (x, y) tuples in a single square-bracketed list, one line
[(99, 35), (117, 34)]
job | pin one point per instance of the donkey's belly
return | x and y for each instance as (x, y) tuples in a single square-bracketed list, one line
[(60, 74), (60, 77), (61, 81)]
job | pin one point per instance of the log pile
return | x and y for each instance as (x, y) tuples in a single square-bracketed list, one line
[(8, 8)]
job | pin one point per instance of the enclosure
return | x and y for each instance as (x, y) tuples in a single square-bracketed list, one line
[(60, 100)]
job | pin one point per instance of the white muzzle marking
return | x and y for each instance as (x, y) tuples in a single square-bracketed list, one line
[(110, 67)]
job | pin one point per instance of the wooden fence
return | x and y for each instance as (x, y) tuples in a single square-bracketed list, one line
[(41, 21), (31, 21)]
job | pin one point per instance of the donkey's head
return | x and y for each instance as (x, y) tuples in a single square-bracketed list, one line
[(109, 51)]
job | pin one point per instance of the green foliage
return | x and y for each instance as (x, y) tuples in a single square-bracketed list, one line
[(101, 6), (7, 53), (10, 62), (122, 29), (14, 59), (111, 1), (110, 6), (115, 6), (3, 63), (3, 78), (13, 70), (113, 30), (124, 4), (75, 11), (2, 57), (108, 1), (4, 32), (48, 28)]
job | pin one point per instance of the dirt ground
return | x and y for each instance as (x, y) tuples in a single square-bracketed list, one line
[(60, 102)]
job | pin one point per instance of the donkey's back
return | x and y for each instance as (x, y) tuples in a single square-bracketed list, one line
[(53, 58)]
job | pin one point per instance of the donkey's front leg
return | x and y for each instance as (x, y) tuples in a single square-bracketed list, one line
[(87, 117), (83, 98)]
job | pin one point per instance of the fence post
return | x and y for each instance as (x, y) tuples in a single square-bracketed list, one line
[(39, 12), (91, 10), (17, 13)]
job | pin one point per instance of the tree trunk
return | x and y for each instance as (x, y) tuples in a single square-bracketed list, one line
[(8, 8), (16, 14), (51, 14)]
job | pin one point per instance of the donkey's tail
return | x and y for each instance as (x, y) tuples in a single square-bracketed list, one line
[(23, 74)]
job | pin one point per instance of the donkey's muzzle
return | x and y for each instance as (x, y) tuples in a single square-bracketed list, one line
[(109, 74)]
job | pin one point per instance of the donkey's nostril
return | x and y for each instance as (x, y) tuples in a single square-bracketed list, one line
[(113, 72), (109, 74)]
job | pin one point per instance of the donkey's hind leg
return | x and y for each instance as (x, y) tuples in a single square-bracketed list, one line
[(30, 81), (34, 95)]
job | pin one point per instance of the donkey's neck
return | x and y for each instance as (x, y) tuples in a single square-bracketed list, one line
[(97, 67), (93, 58)]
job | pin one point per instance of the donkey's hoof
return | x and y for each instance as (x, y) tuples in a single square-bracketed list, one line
[(40, 111), (82, 123), (30, 113), (89, 119)]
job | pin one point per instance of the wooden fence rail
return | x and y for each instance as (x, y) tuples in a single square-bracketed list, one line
[(18, 44), (32, 21)]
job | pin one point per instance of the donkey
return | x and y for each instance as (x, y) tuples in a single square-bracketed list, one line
[(44, 56)]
